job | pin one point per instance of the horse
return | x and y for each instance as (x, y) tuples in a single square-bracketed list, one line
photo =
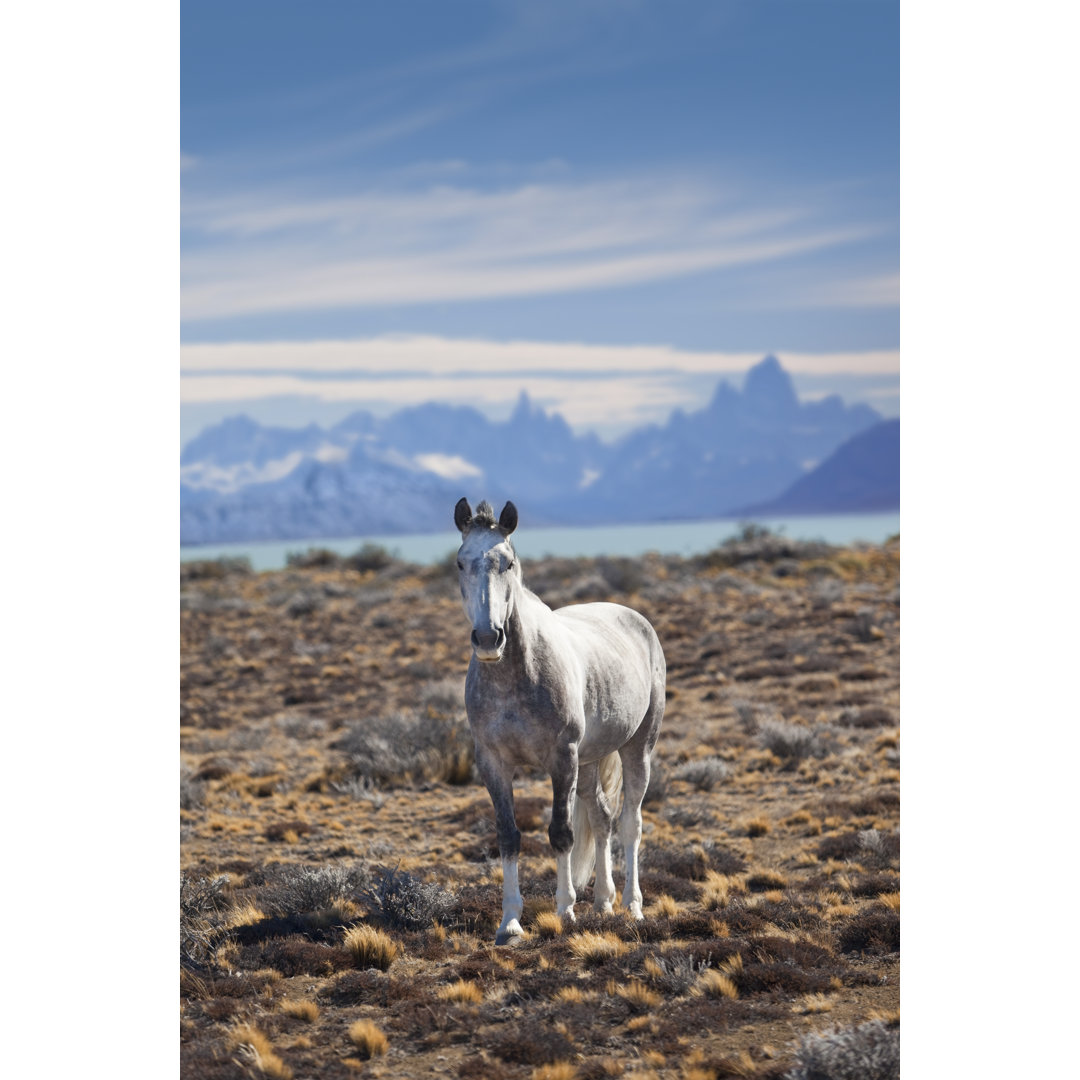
[(578, 692)]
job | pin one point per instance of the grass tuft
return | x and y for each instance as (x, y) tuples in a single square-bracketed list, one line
[(463, 991), (593, 948), (368, 1039), (714, 983), (302, 1010), (557, 1070), (370, 948), (548, 924), (254, 1048)]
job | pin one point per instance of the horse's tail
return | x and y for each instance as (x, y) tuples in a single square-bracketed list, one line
[(583, 855)]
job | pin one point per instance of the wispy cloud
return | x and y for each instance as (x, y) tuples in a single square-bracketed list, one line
[(260, 253), (429, 355)]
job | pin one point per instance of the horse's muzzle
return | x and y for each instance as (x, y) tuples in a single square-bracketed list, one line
[(488, 644)]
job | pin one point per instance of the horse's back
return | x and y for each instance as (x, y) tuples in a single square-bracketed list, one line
[(608, 626), (622, 667)]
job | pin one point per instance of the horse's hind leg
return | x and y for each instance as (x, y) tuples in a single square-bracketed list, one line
[(635, 763), (601, 818)]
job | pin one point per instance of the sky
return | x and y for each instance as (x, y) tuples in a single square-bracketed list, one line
[(609, 204)]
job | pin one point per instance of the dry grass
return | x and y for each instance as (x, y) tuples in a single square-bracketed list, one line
[(665, 905), (812, 1003), (635, 993), (764, 880), (370, 947), (713, 983), (302, 1010), (385, 907), (593, 948), (557, 1070), (462, 992), (368, 1039), (254, 1048), (758, 827), (548, 924)]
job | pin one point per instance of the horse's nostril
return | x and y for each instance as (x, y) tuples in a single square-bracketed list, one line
[(488, 639)]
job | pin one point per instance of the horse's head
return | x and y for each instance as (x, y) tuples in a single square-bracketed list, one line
[(488, 574)]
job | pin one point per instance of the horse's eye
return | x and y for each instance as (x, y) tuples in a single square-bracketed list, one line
[(510, 565), (460, 565)]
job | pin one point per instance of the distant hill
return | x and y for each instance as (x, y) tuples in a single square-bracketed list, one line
[(861, 475), (399, 474)]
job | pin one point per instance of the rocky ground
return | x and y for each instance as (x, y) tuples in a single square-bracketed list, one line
[(340, 879)]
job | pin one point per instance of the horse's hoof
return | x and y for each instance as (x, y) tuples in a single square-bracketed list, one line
[(507, 935), (635, 911)]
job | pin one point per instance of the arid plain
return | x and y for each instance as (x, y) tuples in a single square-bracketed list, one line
[(340, 880)]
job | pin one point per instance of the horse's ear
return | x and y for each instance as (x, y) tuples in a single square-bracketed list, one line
[(508, 519), (462, 514)]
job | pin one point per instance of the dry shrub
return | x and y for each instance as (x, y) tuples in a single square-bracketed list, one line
[(757, 827), (674, 973), (872, 931), (534, 1043), (409, 746), (406, 903), (370, 948), (704, 774), (869, 1051), (368, 1039), (791, 742)]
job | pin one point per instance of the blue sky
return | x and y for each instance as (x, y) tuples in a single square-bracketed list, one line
[(609, 204)]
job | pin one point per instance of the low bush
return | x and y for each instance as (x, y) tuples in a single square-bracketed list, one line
[(404, 746), (791, 742), (870, 1051), (704, 774), (404, 902)]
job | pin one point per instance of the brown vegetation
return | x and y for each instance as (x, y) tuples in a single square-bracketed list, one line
[(340, 885)]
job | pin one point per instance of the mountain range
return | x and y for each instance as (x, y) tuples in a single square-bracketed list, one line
[(758, 447)]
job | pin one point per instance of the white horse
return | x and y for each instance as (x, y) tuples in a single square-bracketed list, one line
[(578, 692)]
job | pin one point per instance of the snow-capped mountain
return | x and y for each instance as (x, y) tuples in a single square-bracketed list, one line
[(243, 481)]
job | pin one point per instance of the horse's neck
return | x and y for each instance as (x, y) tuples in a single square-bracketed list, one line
[(529, 625)]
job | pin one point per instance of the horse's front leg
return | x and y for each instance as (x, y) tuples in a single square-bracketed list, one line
[(499, 780), (564, 780)]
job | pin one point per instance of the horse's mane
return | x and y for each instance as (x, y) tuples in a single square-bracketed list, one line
[(484, 515)]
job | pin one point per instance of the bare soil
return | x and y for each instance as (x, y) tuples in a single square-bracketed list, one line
[(770, 851)]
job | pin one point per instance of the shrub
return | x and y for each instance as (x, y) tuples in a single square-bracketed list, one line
[(790, 742), (714, 984), (213, 569), (704, 774), (675, 973), (872, 931), (192, 791), (313, 558), (369, 557), (406, 903), (410, 746), (869, 1051), (202, 900), (293, 889)]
